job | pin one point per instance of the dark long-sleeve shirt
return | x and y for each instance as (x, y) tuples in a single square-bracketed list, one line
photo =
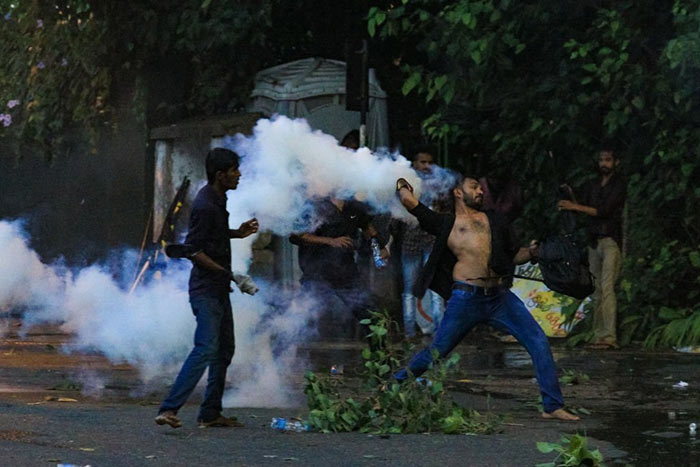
[(609, 201), (336, 266), (437, 273), (209, 233)]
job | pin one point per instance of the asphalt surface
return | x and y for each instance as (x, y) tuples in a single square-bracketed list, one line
[(635, 415)]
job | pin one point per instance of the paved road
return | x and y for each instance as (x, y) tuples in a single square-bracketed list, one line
[(629, 395)]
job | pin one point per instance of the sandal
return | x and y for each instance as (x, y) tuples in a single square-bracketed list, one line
[(168, 418)]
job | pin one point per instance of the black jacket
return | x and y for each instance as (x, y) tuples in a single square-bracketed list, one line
[(437, 272)]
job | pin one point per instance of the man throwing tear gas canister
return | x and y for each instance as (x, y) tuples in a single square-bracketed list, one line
[(471, 266)]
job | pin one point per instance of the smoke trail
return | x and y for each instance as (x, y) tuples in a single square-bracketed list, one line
[(286, 165)]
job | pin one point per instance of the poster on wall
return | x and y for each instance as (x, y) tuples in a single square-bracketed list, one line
[(549, 308)]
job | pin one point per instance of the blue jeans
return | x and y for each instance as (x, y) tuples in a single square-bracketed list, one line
[(411, 265), (213, 348), (505, 312)]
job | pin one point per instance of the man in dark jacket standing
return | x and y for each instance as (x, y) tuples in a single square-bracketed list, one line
[(603, 199), (209, 287), (471, 266)]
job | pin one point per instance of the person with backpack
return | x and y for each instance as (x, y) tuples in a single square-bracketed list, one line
[(471, 266), (603, 200)]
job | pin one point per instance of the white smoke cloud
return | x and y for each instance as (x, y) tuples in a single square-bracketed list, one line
[(286, 165), (25, 282), (275, 322)]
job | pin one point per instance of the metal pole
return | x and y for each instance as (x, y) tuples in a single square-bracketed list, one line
[(364, 94)]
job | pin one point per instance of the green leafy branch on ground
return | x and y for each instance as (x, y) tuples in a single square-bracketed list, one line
[(571, 452), (572, 377), (385, 406)]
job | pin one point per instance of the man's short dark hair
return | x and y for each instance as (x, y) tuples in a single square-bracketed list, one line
[(351, 139), (424, 149), (220, 160), (462, 178), (609, 147), (449, 204)]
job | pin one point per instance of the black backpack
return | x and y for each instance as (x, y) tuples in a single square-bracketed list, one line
[(564, 266)]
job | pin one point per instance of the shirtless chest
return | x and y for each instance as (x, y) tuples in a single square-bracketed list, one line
[(470, 242)]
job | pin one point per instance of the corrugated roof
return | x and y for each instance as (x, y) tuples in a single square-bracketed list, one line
[(307, 78)]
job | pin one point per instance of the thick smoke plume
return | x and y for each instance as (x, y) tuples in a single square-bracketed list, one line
[(286, 165)]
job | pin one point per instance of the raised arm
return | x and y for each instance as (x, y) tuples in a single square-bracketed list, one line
[(429, 220)]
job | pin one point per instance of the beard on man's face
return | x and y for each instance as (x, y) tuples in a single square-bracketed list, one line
[(603, 170), (473, 201)]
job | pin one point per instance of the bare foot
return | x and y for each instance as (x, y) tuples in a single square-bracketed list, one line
[(561, 414)]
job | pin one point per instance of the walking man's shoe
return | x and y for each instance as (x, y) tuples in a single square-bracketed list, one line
[(220, 422), (168, 418)]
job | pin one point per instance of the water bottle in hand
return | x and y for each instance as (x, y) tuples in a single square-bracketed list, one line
[(379, 262)]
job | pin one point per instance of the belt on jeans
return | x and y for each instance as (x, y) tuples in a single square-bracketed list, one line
[(475, 289)]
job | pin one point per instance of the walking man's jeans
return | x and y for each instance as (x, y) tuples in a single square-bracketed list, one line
[(505, 312), (213, 348), (604, 261), (411, 266)]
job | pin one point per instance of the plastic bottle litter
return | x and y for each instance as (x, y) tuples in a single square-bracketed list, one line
[(379, 262), (692, 429), (337, 370), (680, 385), (282, 424), (425, 382)]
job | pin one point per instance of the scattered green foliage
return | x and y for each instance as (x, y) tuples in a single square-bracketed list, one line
[(571, 452), (385, 406), (68, 385), (572, 377), (535, 404), (578, 410)]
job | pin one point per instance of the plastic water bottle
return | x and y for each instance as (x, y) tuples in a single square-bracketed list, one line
[(425, 382), (281, 424), (379, 262), (692, 429)]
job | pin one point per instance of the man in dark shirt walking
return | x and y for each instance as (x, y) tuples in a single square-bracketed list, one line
[(209, 287), (603, 199), (471, 266)]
